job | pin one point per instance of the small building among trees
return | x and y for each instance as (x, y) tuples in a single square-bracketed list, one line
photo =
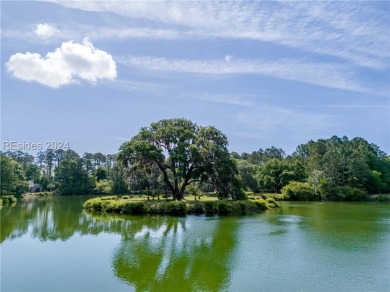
[(34, 188)]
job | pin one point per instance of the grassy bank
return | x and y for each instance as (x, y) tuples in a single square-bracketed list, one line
[(37, 195), (126, 205)]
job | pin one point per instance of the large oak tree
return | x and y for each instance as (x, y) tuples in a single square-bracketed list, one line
[(184, 153)]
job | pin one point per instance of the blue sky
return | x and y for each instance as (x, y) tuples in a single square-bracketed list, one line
[(266, 73)]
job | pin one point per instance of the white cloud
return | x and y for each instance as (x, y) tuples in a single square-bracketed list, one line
[(45, 31), (132, 33), (323, 74), (225, 99), (356, 31), (70, 63)]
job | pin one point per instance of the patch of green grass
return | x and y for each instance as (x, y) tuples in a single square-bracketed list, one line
[(203, 198)]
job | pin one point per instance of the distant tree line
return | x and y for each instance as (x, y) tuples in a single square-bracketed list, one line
[(327, 169), (62, 171)]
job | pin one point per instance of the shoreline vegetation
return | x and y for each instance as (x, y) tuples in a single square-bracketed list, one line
[(29, 196), (208, 206), (205, 204), (7, 200), (176, 159)]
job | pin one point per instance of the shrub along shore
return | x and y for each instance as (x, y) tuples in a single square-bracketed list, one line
[(125, 205), (5, 200)]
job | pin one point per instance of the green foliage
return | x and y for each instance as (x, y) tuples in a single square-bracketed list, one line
[(324, 189), (197, 208), (109, 198), (21, 188), (266, 182), (172, 156), (343, 162), (73, 179), (271, 203), (101, 173), (376, 183), (183, 152), (32, 172), (11, 177), (157, 208), (228, 185), (263, 155), (210, 207), (51, 186), (276, 197), (103, 187), (276, 173), (133, 208), (117, 179), (261, 204), (8, 199), (326, 164), (44, 181), (347, 193), (241, 206), (298, 191), (380, 198), (193, 190), (224, 208), (126, 206), (176, 208), (247, 173), (93, 204), (111, 206), (250, 207)]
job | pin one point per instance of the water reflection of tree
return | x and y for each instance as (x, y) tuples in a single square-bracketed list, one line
[(44, 219), (13, 223), (53, 219), (156, 252), (175, 255)]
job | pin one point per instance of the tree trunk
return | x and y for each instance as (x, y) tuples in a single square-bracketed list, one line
[(176, 194)]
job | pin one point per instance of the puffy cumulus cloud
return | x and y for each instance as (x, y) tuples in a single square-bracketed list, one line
[(68, 64), (45, 31)]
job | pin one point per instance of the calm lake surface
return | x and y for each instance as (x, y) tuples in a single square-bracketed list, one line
[(53, 245)]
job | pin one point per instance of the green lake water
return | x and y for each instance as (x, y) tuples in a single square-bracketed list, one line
[(53, 245)]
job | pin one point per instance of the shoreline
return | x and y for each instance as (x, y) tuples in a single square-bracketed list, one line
[(217, 207)]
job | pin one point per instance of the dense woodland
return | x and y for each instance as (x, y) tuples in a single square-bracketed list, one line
[(328, 169)]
